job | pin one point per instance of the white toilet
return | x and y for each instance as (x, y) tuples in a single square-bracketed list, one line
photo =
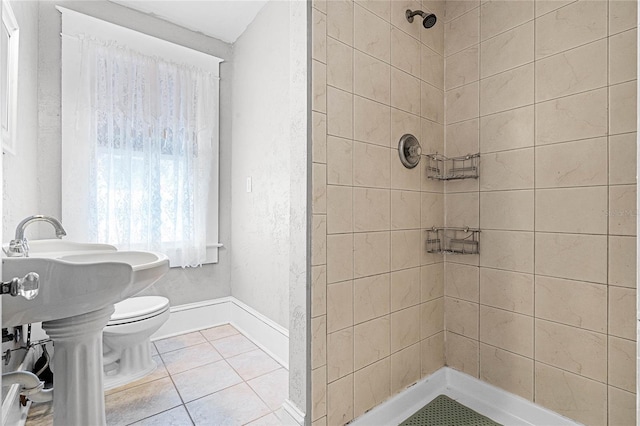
[(126, 345)]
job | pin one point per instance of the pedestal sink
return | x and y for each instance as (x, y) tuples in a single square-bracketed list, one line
[(79, 284)]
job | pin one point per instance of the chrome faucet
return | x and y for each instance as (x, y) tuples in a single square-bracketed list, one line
[(19, 246)]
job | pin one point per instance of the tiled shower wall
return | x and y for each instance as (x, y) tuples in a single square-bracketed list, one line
[(546, 91), (378, 305)]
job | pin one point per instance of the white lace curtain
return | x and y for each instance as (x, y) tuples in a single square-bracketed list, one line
[(148, 125)]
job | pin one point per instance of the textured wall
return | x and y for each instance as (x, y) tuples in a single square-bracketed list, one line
[(546, 91), (377, 296), (260, 149)]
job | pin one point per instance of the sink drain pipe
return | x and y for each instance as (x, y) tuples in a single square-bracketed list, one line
[(31, 386)]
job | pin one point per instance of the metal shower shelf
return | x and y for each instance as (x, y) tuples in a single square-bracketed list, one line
[(453, 240), (444, 168)]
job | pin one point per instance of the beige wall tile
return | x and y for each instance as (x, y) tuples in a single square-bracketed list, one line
[(372, 341), (507, 170), (405, 91), (577, 70), (371, 165), (322, 421), (435, 6), (319, 240), (512, 291), (431, 317), (405, 209), (405, 368), (319, 86), (339, 65), (623, 49), (340, 20), (622, 210), (382, 8), (507, 330), (622, 261), (462, 68), (339, 306), (405, 288), (340, 399), (398, 7), (371, 121), (432, 67), (462, 282), (319, 193), (575, 303), (371, 253), (432, 354), (462, 354), (370, 297), (507, 90), (508, 250), (462, 32), (432, 209), (545, 6), (462, 209), (454, 9), (622, 406), (507, 130), (462, 103), (506, 370), (572, 349), (622, 312), (434, 39), (339, 257), (339, 354), (371, 34), (339, 113), (339, 209), (574, 210), (622, 108), (405, 52), (405, 328), (371, 209), (372, 386), (432, 282), (622, 159), (320, 5), (371, 77), (508, 50), (319, 137), (572, 164), (318, 393), (570, 26), (318, 290), (401, 177), (507, 210), (405, 249), (622, 15), (461, 317), (319, 36), (574, 396), (432, 103), (462, 139), (622, 363), (498, 16), (318, 341), (339, 161), (578, 116), (572, 256), (402, 123)]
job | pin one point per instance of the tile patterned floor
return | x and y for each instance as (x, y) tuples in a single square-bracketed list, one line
[(210, 377)]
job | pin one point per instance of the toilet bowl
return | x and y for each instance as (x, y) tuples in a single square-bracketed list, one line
[(125, 339)]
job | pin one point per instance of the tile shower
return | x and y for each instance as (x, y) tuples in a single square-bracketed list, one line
[(546, 92)]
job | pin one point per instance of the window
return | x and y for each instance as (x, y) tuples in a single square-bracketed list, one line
[(140, 141)]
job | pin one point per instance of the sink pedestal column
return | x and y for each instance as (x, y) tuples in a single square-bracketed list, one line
[(78, 396)]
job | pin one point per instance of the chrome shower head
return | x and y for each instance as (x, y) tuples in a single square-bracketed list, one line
[(428, 19)]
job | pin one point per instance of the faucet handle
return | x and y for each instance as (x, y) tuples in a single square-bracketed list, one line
[(27, 286), (17, 248)]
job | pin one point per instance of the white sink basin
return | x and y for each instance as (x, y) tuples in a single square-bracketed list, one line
[(77, 278)]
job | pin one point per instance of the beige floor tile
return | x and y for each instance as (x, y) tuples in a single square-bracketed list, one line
[(253, 364), (268, 420), (156, 374), (191, 357), (236, 405), (140, 402), (233, 345), (273, 387), (205, 380), (40, 415), (219, 332), (175, 417), (179, 342)]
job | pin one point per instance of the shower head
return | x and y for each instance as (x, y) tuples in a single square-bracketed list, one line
[(428, 19)]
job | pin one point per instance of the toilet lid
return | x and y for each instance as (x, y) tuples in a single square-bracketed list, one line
[(139, 308)]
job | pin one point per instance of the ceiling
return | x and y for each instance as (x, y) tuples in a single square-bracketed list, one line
[(225, 20)]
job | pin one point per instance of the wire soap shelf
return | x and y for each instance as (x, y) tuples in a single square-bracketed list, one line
[(453, 240), (444, 168)]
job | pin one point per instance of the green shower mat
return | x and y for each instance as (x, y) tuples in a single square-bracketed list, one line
[(444, 411)]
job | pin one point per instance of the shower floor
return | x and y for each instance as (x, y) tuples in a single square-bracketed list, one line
[(210, 377), (444, 411)]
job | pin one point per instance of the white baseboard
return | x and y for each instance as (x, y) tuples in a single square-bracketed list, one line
[(264, 332), (488, 400), (290, 415)]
